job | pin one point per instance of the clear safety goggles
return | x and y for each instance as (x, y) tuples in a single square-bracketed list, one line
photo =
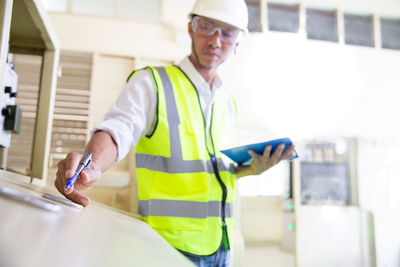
[(207, 27)]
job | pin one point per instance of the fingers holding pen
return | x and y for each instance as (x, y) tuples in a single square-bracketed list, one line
[(78, 197), (71, 162), (77, 179), (72, 193), (70, 165)]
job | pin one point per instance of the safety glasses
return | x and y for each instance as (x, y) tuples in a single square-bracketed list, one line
[(206, 27)]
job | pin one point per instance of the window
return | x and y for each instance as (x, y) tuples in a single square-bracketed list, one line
[(359, 30), (71, 111), (283, 18), (325, 183), (253, 7), (390, 31), (322, 25), (56, 5), (93, 7), (149, 10)]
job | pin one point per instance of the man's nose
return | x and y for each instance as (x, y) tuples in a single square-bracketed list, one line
[(215, 38)]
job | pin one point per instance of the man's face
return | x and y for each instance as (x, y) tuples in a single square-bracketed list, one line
[(212, 41)]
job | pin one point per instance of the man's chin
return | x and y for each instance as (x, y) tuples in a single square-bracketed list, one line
[(210, 65)]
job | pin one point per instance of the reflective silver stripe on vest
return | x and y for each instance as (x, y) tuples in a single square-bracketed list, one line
[(172, 114), (180, 208), (175, 164), (171, 165)]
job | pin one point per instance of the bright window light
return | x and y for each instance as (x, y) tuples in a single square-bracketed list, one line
[(94, 7), (270, 183), (149, 10), (56, 5)]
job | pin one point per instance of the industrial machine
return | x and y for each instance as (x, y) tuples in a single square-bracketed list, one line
[(26, 29), (288, 211), (329, 220), (11, 114)]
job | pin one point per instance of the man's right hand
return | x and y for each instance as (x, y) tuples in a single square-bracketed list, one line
[(86, 180)]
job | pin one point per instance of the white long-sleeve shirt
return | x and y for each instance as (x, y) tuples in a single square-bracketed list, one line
[(133, 115)]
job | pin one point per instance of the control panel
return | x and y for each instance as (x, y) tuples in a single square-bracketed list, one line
[(11, 114)]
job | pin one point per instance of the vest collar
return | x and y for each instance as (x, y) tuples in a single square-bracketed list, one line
[(196, 78)]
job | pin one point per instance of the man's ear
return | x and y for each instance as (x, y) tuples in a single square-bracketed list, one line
[(190, 28)]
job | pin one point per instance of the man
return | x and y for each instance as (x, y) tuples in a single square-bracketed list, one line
[(178, 117)]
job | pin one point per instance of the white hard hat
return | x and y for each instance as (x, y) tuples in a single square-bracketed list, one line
[(232, 12)]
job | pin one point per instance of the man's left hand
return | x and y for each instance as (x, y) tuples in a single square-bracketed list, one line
[(263, 162)]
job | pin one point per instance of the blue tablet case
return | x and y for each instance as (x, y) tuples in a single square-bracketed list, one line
[(242, 157)]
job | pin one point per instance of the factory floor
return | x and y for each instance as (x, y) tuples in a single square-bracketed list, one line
[(267, 255)]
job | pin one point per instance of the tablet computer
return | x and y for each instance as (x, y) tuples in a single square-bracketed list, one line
[(242, 157)]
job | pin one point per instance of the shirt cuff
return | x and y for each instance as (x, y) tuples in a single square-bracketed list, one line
[(118, 131)]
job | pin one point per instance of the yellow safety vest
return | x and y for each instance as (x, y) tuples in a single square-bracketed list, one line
[(185, 192)]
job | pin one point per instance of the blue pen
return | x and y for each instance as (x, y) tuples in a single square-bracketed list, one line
[(82, 165)]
